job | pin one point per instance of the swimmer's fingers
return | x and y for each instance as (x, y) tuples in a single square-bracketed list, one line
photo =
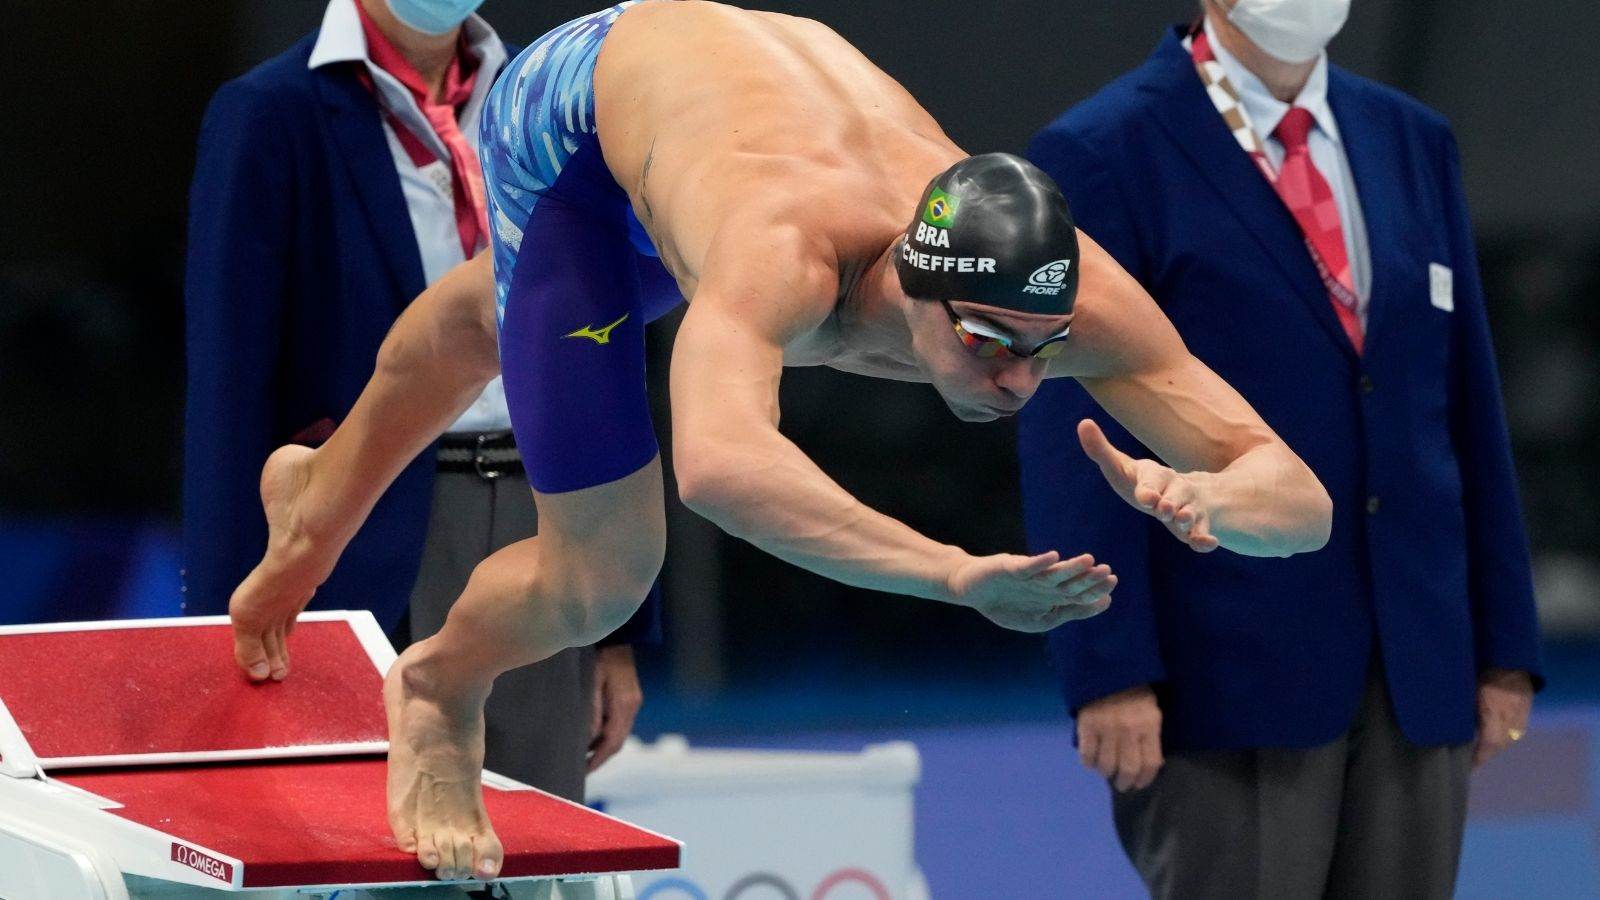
[(1090, 603), (1177, 492), (1067, 569), (1078, 589), (1182, 511), (1029, 566), (1143, 483), (1083, 574), (1176, 501), (1152, 483), (997, 587), (1192, 525), (1116, 466)]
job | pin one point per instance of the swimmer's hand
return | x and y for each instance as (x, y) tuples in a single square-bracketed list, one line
[(264, 606), (1032, 593), (1176, 499)]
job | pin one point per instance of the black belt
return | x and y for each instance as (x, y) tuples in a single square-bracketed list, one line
[(486, 454)]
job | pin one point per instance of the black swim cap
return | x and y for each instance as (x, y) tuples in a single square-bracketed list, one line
[(992, 229)]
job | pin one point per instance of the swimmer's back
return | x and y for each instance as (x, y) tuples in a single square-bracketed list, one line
[(734, 109)]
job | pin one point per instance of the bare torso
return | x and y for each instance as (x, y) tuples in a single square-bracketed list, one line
[(763, 130)]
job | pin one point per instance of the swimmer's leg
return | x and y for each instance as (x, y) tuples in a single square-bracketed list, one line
[(572, 354), (433, 364), (596, 555)]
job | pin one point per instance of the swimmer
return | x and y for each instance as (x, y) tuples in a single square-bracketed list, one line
[(814, 215)]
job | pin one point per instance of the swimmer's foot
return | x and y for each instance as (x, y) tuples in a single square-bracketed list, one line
[(298, 559), (435, 788)]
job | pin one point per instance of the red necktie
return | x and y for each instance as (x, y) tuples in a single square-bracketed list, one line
[(472, 220), (1307, 195)]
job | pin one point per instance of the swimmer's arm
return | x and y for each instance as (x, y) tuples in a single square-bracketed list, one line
[(735, 468), (1260, 497)]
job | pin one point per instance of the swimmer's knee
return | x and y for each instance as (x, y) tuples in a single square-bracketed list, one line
[(598, 604), (592, 597), (599, 554)]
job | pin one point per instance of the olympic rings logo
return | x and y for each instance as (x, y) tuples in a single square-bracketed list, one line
[(690, 891)]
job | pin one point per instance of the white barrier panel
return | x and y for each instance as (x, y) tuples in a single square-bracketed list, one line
[(771, 825)]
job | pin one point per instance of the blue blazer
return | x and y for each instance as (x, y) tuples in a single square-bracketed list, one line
[(1428, 561), (301, 256)]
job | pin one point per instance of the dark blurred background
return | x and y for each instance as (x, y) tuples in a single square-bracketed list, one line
[(101, 114), (101, 108)]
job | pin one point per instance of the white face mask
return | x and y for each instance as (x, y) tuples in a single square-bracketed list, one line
[(1293, 31)]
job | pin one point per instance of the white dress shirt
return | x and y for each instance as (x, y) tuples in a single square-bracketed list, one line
[(428, 189), (1327, 151)]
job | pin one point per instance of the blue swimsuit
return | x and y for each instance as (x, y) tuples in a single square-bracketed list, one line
[(575, 273)]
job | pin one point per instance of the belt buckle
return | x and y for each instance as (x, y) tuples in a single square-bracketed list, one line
[(478, 460)]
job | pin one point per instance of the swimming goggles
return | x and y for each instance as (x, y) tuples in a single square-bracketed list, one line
[(988, 343)]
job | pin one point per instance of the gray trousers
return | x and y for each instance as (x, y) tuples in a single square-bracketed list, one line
[(538, 717), (1369, 816)]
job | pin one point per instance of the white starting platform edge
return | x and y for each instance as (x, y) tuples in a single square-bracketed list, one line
[(56, 843), (771, 825), (59, 841)]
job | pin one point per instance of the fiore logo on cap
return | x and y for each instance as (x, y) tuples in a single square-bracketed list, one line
[(1049, 278), (202, 862), (941, 211)]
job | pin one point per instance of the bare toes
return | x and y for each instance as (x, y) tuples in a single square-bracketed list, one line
[(490, 856), (462, 867), (428, 853)]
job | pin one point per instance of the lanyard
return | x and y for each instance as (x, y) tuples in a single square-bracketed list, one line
[(1226, 99)]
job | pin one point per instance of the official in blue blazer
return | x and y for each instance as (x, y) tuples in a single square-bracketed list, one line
[(334, 182), (1300, 727)]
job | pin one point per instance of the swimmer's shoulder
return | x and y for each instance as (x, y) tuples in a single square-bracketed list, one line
[(765, 259), (670, 26), (688, 10), (682, 14)]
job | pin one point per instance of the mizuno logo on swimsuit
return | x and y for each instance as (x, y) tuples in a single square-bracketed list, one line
[(932, 262), (598, 335), (1049, 278)]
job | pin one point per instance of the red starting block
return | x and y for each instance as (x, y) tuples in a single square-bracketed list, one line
[(137, 761)]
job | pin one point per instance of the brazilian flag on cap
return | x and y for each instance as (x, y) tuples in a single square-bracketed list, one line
[(941, 211)]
